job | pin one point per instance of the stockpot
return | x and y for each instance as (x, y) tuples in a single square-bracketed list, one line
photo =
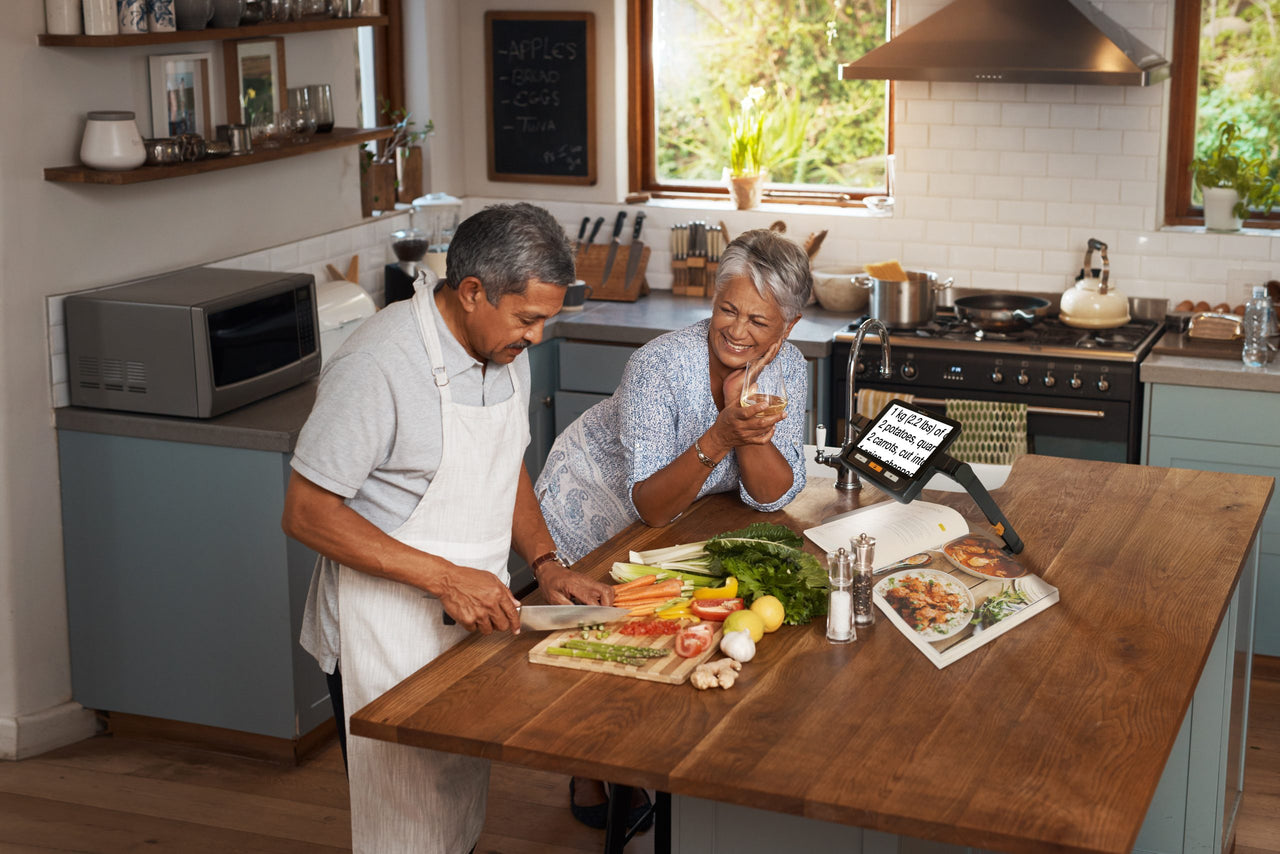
[(903, 305)]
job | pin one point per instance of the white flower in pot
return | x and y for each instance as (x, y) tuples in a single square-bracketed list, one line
[(1231, 184)]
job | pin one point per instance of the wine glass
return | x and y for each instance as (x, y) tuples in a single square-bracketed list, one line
[(762, 386)]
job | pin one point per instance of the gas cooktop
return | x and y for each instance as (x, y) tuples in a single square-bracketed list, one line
[(1048, 336)]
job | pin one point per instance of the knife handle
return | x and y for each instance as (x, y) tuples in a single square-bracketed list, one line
[(595, 229), (582, 229), (617, 224), (635, 230)]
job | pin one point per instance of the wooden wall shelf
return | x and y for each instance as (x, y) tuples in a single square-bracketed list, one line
[(337, 138), (211, 34)]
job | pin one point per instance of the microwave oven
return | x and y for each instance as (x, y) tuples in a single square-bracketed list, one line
[(195, 343)]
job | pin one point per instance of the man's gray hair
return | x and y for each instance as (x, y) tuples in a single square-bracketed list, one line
[(776, 265), (506, 246)]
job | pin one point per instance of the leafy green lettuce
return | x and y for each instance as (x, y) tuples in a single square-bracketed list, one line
[(768, 560)]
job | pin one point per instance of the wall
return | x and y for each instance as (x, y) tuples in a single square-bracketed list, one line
[(61, 237)]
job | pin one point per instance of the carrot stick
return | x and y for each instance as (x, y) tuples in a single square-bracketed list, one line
[(642, 611), (670, 587), (646, 600), (642, 581)]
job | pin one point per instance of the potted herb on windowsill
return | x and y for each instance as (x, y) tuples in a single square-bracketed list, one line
[(746, 173), (1232, 184)]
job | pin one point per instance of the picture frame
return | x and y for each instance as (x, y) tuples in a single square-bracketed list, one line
[(180, 99), (255, 65)]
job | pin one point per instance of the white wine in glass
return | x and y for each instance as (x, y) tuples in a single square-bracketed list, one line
[(759, 387)]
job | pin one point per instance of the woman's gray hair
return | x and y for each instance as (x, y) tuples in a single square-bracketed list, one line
[(505, 246), (776, 265)]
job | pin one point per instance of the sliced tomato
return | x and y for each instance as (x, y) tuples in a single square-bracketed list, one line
[(716, 609), (694, 640)]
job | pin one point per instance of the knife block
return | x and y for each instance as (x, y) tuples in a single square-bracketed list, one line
[(590, 265)]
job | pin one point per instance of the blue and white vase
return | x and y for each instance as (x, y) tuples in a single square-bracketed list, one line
[(160, 16), (133, 15)]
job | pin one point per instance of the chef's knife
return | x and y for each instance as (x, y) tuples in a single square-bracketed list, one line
[(541, 618), (582, 232), (613, 248), (634, 251)]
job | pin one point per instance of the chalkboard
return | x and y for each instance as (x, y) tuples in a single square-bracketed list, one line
[(540, 84)]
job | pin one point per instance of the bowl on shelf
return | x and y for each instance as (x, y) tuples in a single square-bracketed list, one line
[(835, 290)]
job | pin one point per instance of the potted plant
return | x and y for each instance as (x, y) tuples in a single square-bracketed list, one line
[(377, 183), (747, 173), (404, 151), (1233, 184)]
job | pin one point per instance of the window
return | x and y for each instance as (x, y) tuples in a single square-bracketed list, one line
[(693, 62), (380, 68), (1228, 68)]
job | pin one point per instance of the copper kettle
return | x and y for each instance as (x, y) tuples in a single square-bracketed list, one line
[(1094, 303)]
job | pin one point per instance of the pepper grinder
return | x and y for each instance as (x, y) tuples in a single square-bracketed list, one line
[(840, 597), (864, 611)]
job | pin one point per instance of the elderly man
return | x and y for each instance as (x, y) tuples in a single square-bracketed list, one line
[(409, 481)]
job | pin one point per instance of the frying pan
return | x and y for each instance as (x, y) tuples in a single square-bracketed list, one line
[(1001, 312)]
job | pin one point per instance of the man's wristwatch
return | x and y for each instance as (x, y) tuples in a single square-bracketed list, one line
[(549, 557)]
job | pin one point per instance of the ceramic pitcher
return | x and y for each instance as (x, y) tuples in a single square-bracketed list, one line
[(160, 16), (133, 15)]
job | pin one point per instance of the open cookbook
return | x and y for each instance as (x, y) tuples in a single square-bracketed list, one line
[(948, 590)]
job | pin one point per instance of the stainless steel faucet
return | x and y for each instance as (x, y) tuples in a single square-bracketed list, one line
[(846, 477)]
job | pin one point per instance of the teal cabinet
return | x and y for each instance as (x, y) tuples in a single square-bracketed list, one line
[(184, 596), (543, 378), (1225, 430)]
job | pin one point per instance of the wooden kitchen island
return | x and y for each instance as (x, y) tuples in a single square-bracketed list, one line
[(1053, 737)]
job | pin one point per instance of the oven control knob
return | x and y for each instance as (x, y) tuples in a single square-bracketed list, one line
[(1050, 381), (859, 367), (1103, 384), (997, 376), (1076, 382), (909, 370), (1023, 379)]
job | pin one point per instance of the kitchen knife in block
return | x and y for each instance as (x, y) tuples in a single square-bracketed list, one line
[(582, 232), (613, 247), (590, 269), (633, 252)]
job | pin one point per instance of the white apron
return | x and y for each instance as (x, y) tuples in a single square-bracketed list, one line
[(406, 799)]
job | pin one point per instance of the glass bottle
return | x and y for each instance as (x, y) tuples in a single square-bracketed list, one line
[(864, 610), (840, 597), (1258, 319)]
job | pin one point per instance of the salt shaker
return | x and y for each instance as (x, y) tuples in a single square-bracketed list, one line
[(864, 611), (840, 597)]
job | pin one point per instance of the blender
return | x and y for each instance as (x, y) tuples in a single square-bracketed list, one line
[(437, 214), (409, 246)]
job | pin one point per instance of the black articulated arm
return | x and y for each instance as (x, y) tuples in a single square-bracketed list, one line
[(962, 473)]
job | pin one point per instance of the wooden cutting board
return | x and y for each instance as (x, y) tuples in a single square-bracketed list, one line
[(671, 668)]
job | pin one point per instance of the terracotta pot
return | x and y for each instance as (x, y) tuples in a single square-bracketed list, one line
[(377, 188), (408, 173), (747, 190)]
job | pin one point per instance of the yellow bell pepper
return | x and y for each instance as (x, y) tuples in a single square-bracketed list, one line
[(728, 591), (678, 611)]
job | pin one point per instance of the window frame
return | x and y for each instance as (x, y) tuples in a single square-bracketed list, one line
[(1184, 84), (642, 178)]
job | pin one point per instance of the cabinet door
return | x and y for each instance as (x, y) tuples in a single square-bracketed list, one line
[(592, 368), (543, 374)]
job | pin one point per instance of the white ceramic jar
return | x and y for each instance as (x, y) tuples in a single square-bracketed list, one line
[(62, 17), (111, 141), (101, 18)]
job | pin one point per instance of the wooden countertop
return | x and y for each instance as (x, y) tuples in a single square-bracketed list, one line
[(1052, 737)]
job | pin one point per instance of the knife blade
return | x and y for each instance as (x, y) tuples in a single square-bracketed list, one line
[(542, 618), (634, 251), (582, 231), (613, 247)]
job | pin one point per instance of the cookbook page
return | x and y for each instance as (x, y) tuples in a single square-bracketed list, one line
[(901, 530)]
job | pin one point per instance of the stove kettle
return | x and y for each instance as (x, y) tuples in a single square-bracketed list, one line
[(1093, 303)]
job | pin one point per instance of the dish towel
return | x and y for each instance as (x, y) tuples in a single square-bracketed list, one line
[(990, 431), (870, 402)]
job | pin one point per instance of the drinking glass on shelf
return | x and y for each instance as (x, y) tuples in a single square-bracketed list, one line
[(761, 386), (265, 130)]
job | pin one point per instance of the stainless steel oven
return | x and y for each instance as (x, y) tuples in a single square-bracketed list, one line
[(1080, 386)]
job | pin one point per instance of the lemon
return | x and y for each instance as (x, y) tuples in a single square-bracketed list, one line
[(770, 610), (749, 620)]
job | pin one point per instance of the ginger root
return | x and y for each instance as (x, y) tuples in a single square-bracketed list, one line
[(720, 673)]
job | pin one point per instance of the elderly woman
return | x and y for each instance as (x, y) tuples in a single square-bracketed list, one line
[(674, 429)]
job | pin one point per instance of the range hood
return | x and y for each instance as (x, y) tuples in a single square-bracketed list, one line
[(1014, 41)]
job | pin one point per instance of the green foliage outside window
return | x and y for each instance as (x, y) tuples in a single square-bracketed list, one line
[(820, 130), (1240, 78)]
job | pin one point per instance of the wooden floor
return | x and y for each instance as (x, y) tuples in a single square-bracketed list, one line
[(111, 794)]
